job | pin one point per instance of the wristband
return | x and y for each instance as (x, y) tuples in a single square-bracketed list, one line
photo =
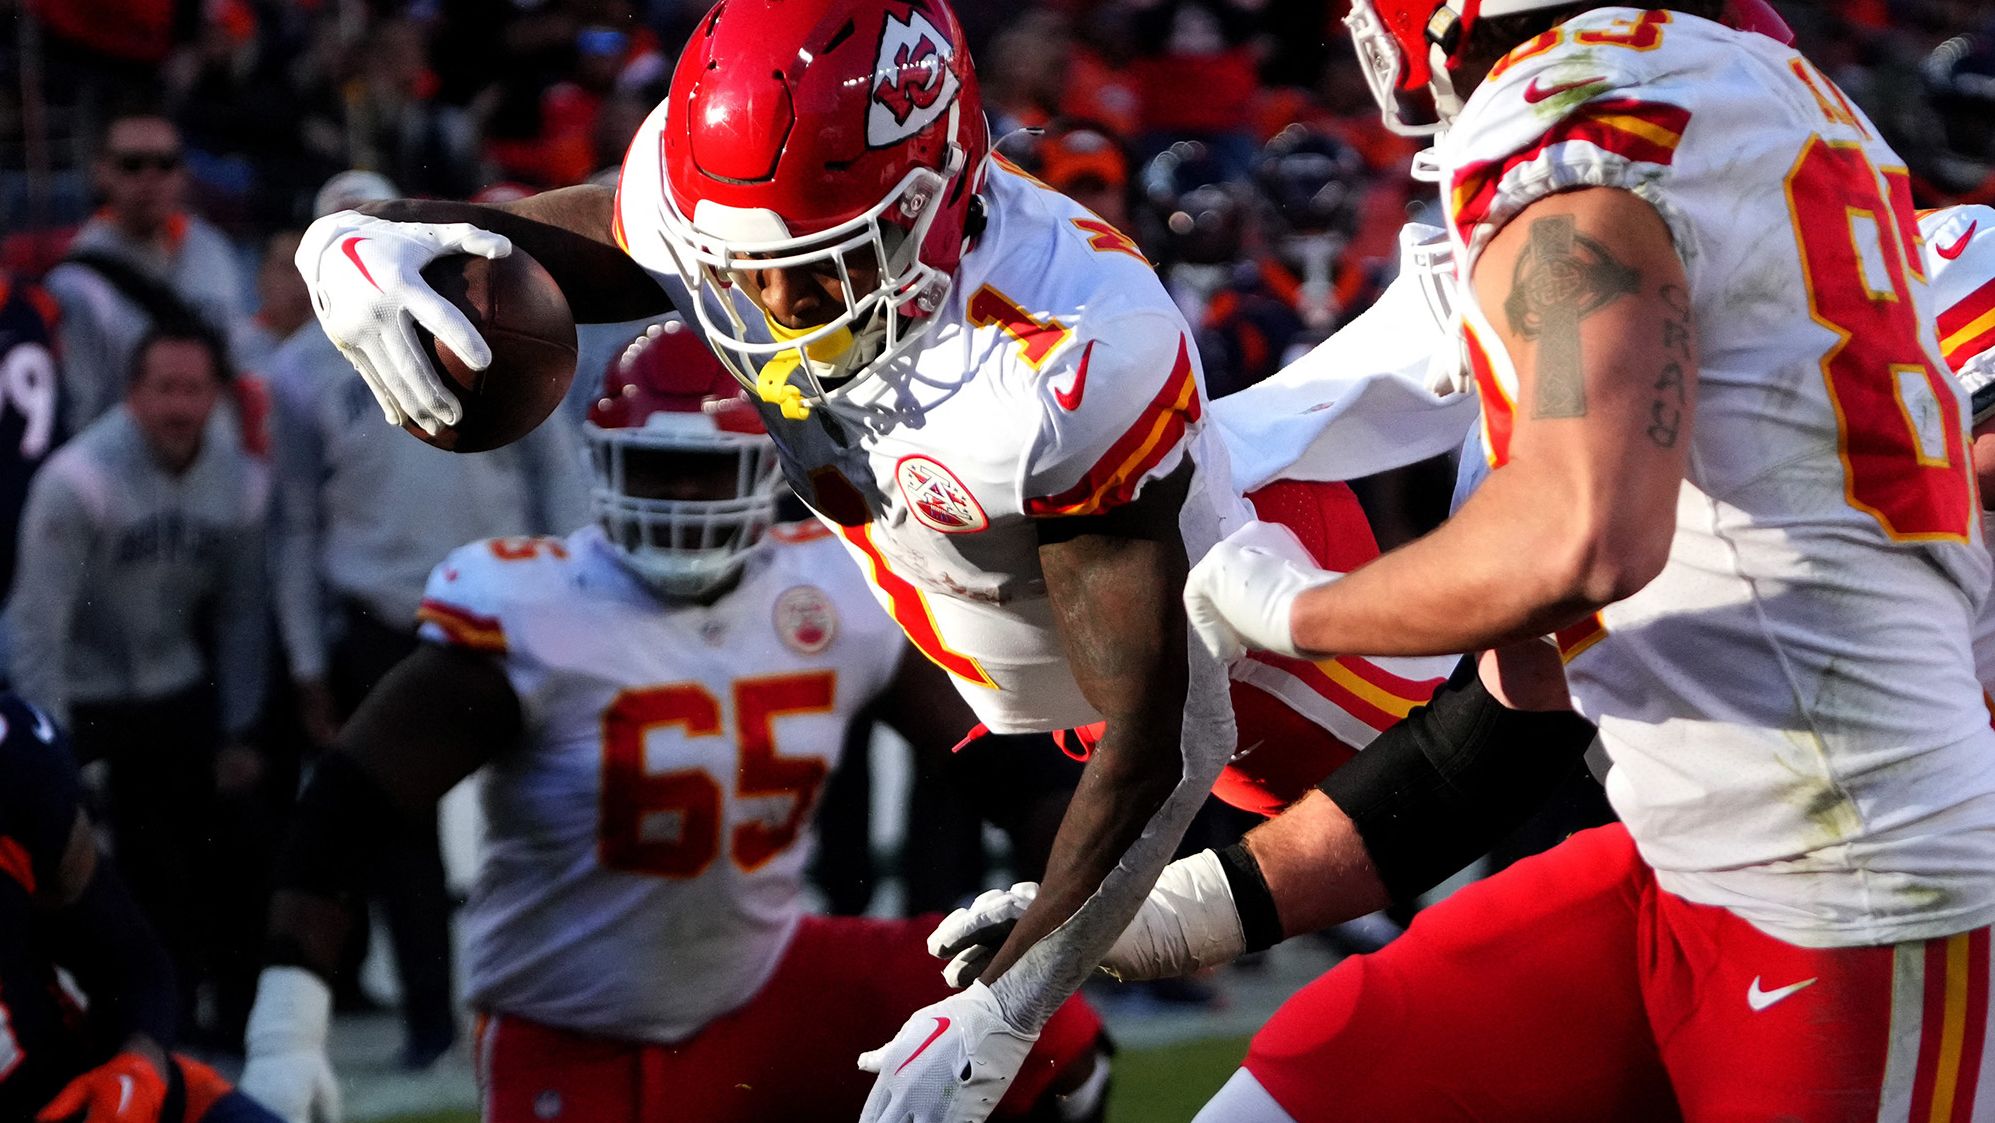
[(1260, 921)]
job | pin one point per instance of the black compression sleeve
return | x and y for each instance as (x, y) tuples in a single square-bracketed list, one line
[(1434, 792), (104, 941), (342, 821)]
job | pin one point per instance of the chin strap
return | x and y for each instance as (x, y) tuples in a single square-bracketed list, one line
[(772, 382)]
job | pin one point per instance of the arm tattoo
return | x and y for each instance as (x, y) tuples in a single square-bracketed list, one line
[(1666, 411), (1562, 277)]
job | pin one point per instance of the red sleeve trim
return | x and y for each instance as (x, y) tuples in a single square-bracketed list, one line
[(1643, 131), (1499, 413), (1968, 328), (15, 863), (463, 628), (1114, 479)]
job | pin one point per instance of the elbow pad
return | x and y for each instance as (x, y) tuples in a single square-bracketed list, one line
[(1434, 792)]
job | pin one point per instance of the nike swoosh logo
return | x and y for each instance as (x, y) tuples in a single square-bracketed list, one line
[(1070, 398), (1761, 999), (1534, 93), (124, 1093), (1953, 252), (353, 255), (942, 1027)]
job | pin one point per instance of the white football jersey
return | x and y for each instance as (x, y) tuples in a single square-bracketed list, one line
[(1058, 380), (647, 838), (1791, 706)]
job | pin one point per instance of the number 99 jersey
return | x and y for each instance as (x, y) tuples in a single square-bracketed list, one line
[(647, 837), (1791, 706)]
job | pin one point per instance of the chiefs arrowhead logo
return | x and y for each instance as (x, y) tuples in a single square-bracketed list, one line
[(912, 82), (904, 92), (937, 499)]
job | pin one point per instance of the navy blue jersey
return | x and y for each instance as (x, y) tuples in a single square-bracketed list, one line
[(40, 1042), (29, 421)]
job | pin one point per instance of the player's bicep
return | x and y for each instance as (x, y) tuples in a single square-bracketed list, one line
[(1116, 582), (1588, 299)]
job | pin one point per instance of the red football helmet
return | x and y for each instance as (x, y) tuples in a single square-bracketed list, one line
[(1409, 50), (821, 133), (684, 472)]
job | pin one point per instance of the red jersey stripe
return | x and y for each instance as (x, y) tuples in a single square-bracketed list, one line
[(1647, 132), (910, 610), (1113, 479)]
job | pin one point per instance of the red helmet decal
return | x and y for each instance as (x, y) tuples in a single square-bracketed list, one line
[(913, 81)]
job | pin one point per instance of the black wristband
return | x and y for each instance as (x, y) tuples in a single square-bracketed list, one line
[(1260, 923)]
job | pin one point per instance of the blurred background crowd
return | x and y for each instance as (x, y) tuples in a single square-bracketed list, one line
[(202, 568)]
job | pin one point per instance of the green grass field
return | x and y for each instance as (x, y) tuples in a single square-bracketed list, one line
[(1165, 1085)]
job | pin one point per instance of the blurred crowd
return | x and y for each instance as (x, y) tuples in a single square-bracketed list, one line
[(207, 577)]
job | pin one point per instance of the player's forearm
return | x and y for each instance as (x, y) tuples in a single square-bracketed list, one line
[(1118, 836), (1316, 866), (308, 930), (1518, 560), (1110, 809), (569, 232)]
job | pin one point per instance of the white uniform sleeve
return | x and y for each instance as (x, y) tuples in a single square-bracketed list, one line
[(1960, 266), (1387, 390), (1117, 409), (1583, 114), (463, 603)]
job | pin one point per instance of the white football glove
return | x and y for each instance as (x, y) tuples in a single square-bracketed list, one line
[(1187, 923), (950, 1063), (1242, 594), (286, 1069), (365, 277)]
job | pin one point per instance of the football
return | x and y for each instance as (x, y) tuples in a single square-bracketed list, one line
[(517, 306)]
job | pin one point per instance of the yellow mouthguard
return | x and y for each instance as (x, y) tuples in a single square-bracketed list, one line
[(772, 383)]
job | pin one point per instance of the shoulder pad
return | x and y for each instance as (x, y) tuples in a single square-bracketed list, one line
[(464, 604)]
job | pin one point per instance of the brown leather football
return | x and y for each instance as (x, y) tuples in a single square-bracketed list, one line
[(516, 305)]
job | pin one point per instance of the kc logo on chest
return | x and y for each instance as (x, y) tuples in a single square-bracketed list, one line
[(937, 499)]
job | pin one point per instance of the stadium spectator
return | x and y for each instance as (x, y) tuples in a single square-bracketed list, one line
[(143, 259), (350, 577), (1195, 72), (283, 306), (1086, 163), (138, 620), (395, 125)]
